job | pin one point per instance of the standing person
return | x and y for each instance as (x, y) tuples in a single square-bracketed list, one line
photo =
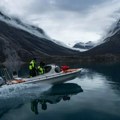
[(40, 68), (32, 68)]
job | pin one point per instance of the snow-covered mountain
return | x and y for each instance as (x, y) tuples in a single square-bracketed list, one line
[(115, 27), (110, 43), (84, 46), (20, 41)]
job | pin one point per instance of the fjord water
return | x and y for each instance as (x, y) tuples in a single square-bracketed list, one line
[(93, 95)]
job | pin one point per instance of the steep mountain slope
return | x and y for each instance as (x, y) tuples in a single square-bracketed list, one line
[(20, 41), (111, 43)]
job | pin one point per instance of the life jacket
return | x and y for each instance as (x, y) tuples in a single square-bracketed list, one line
[(40, 70), (32, 65)]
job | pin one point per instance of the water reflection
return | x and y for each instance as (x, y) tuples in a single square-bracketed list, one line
[(60, 92), (99, 101), (111, 73), (36, 95)]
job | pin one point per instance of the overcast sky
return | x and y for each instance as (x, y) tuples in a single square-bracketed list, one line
[(69, 21)]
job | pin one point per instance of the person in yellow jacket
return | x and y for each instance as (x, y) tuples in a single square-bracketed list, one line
[(32, 68), (40, 68)]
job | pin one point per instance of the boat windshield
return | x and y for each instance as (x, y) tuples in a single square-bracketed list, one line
[(47, 69), (52, 69), (57, 69)]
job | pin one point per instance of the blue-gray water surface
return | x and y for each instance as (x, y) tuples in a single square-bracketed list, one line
[(93, 95)]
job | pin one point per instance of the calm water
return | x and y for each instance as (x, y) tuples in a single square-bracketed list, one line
[(93, 95)]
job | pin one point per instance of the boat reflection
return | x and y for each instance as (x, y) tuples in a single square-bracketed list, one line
[(60, 92)]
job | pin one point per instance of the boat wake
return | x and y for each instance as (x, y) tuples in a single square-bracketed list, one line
[(22, 91)]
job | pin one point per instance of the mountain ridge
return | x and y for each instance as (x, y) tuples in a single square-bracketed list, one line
[(110, 44), (21, 45), (85, 46)]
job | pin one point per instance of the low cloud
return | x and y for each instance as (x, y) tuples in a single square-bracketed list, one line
[(66, 21)]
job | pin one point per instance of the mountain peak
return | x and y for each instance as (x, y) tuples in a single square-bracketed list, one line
[(115, 27), (83, 45), (110, 43)]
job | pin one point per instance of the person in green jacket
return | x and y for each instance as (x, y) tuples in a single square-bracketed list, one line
[(32, 68), (40, 68)]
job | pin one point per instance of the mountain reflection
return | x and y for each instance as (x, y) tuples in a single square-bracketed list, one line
[(15, 98), (60, 92), (111, 73)]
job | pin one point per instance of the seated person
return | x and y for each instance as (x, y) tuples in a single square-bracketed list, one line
[(40, 68)]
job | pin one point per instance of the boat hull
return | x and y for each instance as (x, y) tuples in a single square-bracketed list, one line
[(54, 79), (47, 78)]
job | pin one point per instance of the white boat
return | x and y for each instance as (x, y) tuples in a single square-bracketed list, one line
[(53, 75)]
